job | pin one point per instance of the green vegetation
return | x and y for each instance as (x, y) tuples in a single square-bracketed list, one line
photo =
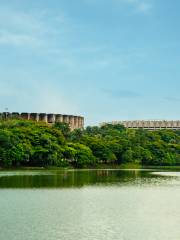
[(31, 144)]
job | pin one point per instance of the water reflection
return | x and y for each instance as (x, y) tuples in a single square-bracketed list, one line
[(167, 174), (66, 179)]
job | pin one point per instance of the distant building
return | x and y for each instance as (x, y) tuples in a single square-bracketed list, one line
[(74, 122), (149, 124)]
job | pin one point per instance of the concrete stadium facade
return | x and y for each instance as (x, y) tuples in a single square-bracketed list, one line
[(74, 122), (149, 124)]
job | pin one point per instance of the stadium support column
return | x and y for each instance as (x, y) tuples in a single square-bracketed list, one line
[(79, 122), (82, 122), (15, 115), (34, 117), (51, 118), (25, 116), (71, 122), (66, 119), (59, 118), (75, 122), (43, 117)]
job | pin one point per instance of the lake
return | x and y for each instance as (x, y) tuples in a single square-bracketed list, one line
[(90, 204)]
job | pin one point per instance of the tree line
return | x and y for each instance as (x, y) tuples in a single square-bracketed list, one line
[(28, 143)]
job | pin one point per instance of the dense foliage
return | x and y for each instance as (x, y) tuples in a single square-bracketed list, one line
[(26, 143)]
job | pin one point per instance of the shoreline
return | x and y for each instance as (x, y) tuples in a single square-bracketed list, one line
[(97, 167)]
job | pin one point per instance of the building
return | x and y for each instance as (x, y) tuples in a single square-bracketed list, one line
[(149, 124), (74, 122)]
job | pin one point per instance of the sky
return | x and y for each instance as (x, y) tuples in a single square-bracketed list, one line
[(103, 59)]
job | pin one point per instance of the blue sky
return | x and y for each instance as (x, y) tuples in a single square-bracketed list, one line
[(104, 59)]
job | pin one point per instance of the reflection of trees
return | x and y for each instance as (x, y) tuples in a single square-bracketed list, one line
[(65, 179)]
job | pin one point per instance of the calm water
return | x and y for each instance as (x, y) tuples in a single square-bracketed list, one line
[(96, 204)]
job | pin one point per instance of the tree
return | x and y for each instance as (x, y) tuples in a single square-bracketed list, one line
[(83, 155), (29, 143), (63, 127), (127, 156)]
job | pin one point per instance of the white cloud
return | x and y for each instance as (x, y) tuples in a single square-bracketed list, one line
[(29, 28), (7, 37), (141, 6), (18, 28), (144, 7)]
